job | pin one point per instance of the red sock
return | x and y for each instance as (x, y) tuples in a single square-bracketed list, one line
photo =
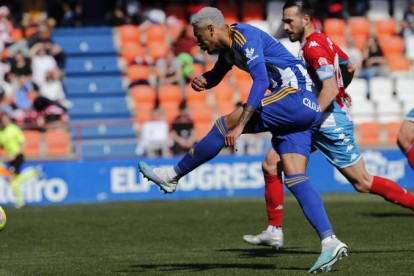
[(392, 192), (410, 156), (274, 199)]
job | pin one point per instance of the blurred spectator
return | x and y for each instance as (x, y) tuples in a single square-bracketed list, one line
[(20, 65), (49, 111), (44, 36), (73, 11), (4, 65), (187, 66), (182, 132), (374, 63), (52, 89), (155, 14), (42, 63), (358, 7), (6, 26), (169, 69), (4, 103), (8, 87), (354, 54), (153, 140), (127, 12), (184, 44), (21, 97), (408, 22), (329, 9)]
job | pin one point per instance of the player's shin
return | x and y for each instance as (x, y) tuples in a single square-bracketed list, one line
[(204, 150), (274, 198), (392, 192), (311, 203)]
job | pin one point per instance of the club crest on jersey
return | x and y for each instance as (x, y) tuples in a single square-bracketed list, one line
[(322, 62), (313, 44), (249, 55)]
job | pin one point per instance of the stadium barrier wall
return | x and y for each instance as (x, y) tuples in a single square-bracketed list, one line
[(102, 181)]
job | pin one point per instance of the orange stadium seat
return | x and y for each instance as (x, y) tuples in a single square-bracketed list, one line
[(340, 41), (57, 142), (385, 28), (144, 112), (175, 31), (225, 108), (229, 11), (192, 96), (156, 33), (202, 128), (223, 92), (170, 93), (17, 34), (30, 31), (33, 139), (171, 111), (177, 10), (392, 46), (359, 26), (252, 11), (198, 69), (241, 75), (144, 95), (392, 130), (369, 133), (129, 33), (138, 72), (131, 50), (201, 113), (334, 27), (244, 89), (399, 64), (158, 50), (360, 41)]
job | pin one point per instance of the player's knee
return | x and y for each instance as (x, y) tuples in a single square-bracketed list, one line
[(268, 168), (363, 184)]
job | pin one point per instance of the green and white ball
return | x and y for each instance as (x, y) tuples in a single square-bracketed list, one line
[(2, 219)]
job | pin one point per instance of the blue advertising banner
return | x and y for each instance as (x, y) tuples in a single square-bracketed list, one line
[(224, 176)]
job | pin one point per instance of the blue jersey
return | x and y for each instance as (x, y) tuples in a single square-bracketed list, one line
[(252, 48)]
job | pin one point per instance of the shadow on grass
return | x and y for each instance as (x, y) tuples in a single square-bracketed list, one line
[(383, 215), (267, 252), (193, 267)]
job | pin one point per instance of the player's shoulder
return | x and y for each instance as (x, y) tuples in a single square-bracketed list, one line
[(245, 30), (316, 39)]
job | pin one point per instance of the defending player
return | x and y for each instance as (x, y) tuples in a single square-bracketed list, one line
[(332, 72), (406, 137), (290, 113)]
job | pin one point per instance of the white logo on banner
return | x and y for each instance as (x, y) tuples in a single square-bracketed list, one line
[(208, 177), (35, 190), (377, 164)]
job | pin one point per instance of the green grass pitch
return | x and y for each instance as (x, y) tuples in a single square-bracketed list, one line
[(201, 237)]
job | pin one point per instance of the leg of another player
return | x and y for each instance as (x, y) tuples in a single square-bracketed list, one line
[(272, 170), (363, 182), (406, 141), (13, 180), (294, 166), (202, 152)]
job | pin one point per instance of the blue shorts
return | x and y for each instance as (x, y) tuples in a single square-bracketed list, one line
[(338, 145), (410, 116), (292, 116)]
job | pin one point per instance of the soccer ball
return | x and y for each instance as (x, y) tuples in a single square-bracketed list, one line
[(2, 218)]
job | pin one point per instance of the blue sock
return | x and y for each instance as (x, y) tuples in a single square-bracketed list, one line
[(204, 150), (311, 203)]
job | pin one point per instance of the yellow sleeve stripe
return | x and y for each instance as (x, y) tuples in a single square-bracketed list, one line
[(242, 36), (236, 36), (295, 179), (278, 97), (297, 182), (220, 127), (238, 42)]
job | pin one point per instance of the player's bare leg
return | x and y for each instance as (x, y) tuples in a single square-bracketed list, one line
[(363, 182), (273, 235)]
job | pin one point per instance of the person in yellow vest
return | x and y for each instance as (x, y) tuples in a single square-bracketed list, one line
[(12, 140)]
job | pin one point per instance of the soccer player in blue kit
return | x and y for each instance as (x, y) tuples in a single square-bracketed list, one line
[(291, 113)]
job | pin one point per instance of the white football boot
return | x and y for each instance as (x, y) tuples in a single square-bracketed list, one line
[(159, 176), (266, 239)]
